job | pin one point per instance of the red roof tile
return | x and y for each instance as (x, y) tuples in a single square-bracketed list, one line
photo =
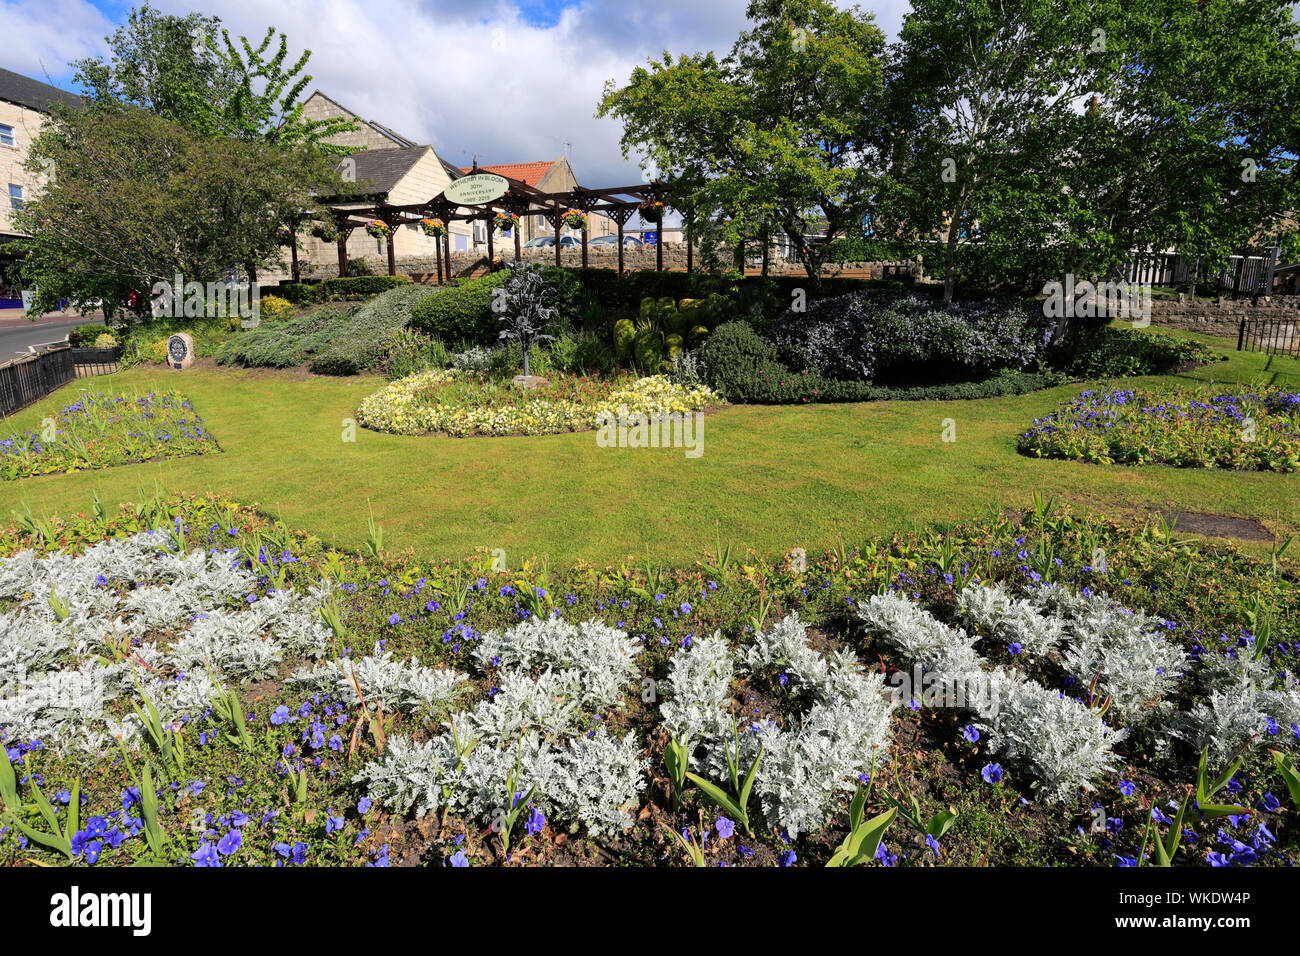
[(531, 173)]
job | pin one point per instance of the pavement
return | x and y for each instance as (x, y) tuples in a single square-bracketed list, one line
[(18, 332)]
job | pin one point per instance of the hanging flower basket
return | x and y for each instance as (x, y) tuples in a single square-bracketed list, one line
[(378, 228), (433, 227), (574, 219), (651, 210), (325, 232), (506, 221)]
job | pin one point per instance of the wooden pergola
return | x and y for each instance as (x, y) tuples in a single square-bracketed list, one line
[(520, 199)]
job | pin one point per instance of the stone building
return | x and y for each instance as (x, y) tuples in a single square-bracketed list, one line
[(397, 170), (25, 105)]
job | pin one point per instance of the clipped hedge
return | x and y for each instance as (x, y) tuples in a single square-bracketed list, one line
[(369, 329), (84, 336), (331, 290), (462, 312), (753, 295)]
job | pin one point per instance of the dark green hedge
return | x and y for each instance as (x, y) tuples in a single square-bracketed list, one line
[(743, 366), (302, 293), (84, 335)]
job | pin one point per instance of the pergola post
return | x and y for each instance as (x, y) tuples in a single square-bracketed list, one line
[(659, 246), (293, 256), (618, 217), (446, 241), (392, 258), (559, 218), (518, 252), (489, 223), (343, 250), (437, 253)]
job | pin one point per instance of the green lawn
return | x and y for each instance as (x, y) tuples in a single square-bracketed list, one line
[(772, 478)]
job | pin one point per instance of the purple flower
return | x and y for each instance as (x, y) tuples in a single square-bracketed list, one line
[(206, 855), (992, 773), (725, 827), (230, 843)]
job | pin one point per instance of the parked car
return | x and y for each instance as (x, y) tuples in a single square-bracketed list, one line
[(613, 240), (548, 242)]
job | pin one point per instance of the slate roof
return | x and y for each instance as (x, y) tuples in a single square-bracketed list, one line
[(33, 94), (386, 167)]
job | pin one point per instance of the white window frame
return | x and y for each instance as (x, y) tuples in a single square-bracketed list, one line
[(7, 136), (16, 196)]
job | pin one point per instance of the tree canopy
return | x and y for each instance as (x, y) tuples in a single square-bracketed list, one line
[(1008, 140)]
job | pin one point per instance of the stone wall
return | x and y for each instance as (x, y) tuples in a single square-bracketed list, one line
[(425, 267), (1224, 316)]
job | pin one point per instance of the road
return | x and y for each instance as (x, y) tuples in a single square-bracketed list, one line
[(15, 338)]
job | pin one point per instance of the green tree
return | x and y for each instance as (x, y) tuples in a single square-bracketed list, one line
[(164, 64), (138, 198), (189, 70), (1033, 138), (980, 91), (779, 135)]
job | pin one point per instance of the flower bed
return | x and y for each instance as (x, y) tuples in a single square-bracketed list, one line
[(285, 719), (463, 403), (1249, 430), (99, 431)]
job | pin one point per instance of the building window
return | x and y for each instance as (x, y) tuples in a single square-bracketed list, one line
[(15, 196), (462, 243), (7, 136), (480, 232)]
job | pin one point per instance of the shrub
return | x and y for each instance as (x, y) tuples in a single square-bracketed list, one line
[(581, 353), (150, 337), (409, 351), (284, 344), (866, 249), (360, 285), (299, 293), (368, 331), (1092, 350), (910, 340), (274, 308), (105, 341), (83, 335), (461, 313)]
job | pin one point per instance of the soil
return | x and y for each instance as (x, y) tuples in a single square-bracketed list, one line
[(1217, 526)]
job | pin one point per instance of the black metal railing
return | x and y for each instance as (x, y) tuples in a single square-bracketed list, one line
[(1274, 336), (30, 378), (93, 361)]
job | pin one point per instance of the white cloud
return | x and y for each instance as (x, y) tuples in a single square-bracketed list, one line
[(470, 79)]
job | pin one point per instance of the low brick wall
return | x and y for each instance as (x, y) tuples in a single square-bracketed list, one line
[(1222, 318)]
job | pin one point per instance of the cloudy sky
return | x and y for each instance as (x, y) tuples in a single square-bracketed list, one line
[(506, 80)]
